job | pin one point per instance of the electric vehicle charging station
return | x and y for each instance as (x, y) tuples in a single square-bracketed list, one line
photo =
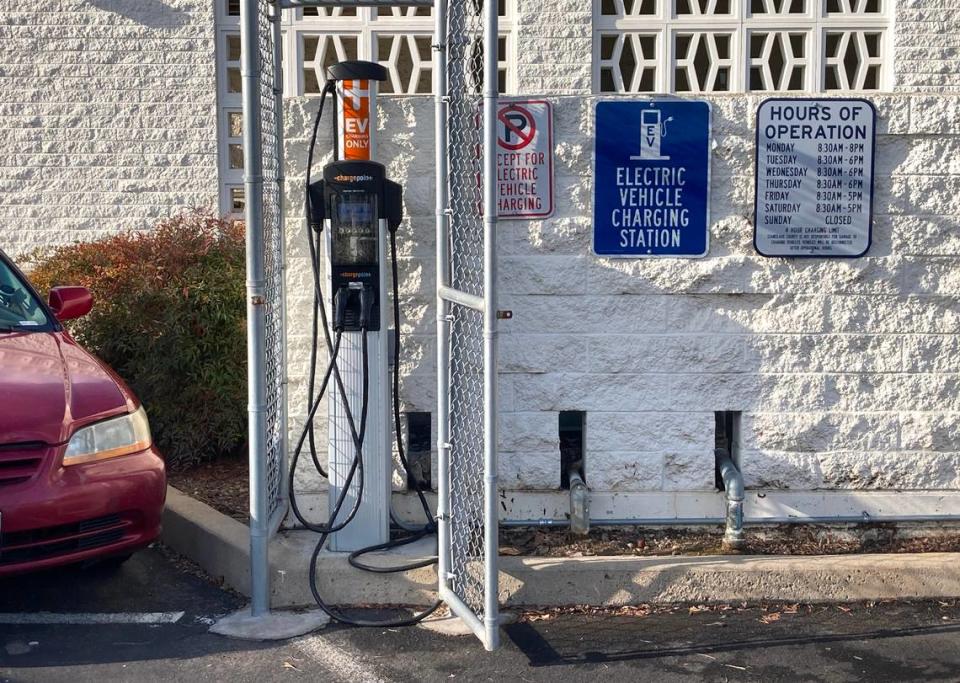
[(357, 205), (357, 209)]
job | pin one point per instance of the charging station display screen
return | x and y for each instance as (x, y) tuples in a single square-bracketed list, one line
[(354, 228)]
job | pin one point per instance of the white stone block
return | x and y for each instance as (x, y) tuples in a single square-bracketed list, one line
[(905, 470), (537, 353), (529, 470), (780, 470), (934, 431), (625, 471), (818, 432), (648, 431), (558, 275), (530, 432), (666, 353), (690, 470)]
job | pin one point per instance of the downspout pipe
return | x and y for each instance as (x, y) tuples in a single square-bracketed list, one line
[(733, 537)]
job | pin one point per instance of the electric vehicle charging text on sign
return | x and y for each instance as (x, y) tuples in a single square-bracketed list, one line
[(651, 178), (524, 159)]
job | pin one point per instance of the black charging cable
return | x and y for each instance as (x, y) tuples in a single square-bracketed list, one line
[(328, 88), (366, 302)]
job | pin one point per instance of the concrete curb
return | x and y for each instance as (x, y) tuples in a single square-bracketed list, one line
[(220, 545), (617, 581)]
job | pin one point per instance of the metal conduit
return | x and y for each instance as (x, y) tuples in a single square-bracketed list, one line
[(733, 488), (759, 521), (734, 520)]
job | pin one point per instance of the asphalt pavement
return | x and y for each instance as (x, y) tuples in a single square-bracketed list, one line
[(148, 621)]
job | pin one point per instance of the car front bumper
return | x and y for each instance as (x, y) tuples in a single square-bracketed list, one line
[(64, 515)]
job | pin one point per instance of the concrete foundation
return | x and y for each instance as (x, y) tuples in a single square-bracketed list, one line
[(273, 626)]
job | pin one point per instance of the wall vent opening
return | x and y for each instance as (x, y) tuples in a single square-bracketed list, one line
[(571, 432), (727, 438), (418, 450)]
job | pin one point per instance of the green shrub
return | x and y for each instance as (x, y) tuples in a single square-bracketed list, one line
[(169, 317)]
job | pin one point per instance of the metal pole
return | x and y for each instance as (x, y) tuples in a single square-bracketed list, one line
[(256, 314), (443, 325), (275, 15), (490, 612)]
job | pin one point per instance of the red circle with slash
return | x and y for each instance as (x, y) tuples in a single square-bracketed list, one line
[(524, 134)]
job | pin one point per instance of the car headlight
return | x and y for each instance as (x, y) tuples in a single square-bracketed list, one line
[(109, 439)]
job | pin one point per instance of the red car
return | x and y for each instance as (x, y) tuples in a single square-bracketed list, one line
[(80, 478)]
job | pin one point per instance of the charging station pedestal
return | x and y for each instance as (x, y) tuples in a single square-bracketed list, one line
[(371, 525)]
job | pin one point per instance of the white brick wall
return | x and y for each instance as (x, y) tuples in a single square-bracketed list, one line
[(107, 116), (845, 371), (927, 39)]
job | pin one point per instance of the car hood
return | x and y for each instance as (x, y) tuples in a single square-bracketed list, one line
[(48, 384)]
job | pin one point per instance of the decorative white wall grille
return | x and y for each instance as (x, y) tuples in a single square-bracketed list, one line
[(398, 37), (229, 107), (742, 45)]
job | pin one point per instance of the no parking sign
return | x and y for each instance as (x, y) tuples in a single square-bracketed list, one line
[(524, 159)]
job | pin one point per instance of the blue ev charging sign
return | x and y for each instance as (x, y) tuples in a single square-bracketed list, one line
[(651, 178)]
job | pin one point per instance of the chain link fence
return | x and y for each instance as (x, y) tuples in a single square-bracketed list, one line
[(466, 381), (273, 258)]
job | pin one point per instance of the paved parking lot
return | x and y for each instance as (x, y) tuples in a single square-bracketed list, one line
[(148, 622)]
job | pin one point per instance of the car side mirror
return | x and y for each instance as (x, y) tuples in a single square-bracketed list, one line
[(68, 303)]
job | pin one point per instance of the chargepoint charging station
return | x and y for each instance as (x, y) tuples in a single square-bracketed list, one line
[(353, 213), (358, 207)]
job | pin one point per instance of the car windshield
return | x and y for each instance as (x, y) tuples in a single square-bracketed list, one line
[(19, 308)]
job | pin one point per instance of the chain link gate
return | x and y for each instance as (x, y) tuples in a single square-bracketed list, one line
[(466, 56), (266, 330)]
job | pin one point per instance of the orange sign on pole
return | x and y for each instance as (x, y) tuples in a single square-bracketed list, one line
[(356, 119)]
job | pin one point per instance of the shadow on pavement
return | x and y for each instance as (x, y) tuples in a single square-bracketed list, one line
[(607, 645)]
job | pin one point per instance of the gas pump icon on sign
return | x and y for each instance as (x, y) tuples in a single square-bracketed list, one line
[(652, 132)]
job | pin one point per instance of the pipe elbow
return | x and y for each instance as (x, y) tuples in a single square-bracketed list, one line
[(731, 476)]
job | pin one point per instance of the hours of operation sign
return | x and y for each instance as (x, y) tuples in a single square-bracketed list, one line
[(814, 182)]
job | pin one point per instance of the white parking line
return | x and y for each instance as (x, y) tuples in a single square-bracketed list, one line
[(90, 618), (342, 663)]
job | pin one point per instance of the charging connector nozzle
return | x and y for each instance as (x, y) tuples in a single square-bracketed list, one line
[(366, 306), (340, 300)]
